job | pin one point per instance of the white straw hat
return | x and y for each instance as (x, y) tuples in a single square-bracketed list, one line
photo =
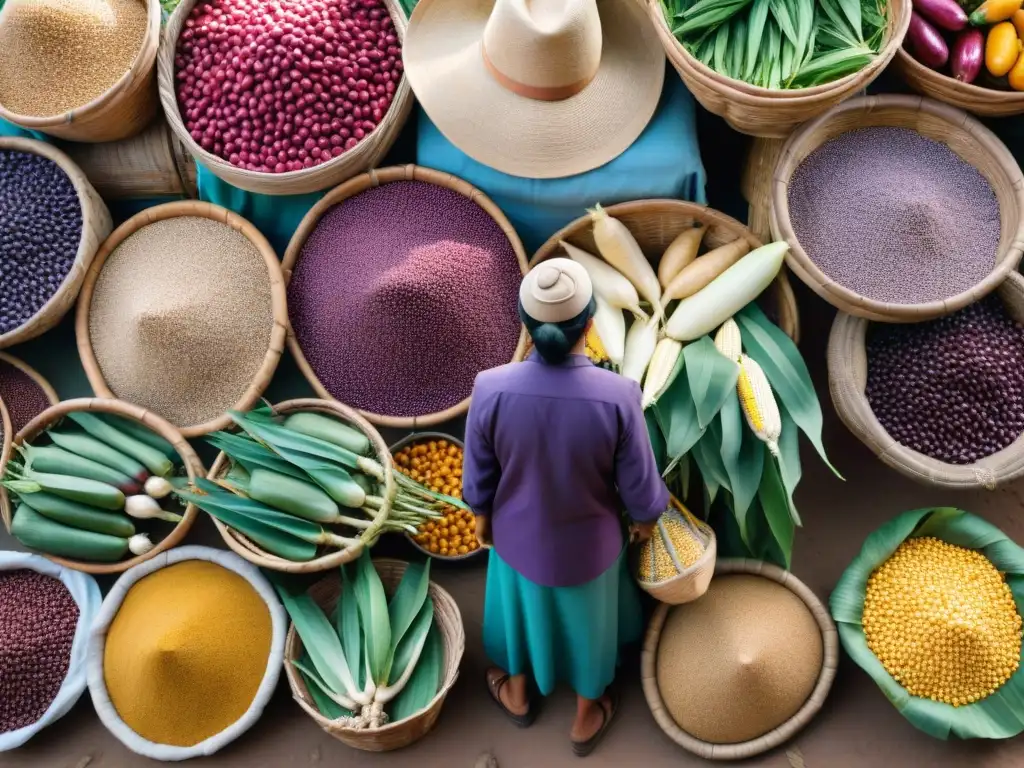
[(555, 291), (536, 88)]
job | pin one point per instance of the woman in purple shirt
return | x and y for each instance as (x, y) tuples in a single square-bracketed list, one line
[(556, 450)]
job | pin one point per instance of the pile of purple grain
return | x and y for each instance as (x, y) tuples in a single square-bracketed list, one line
[(38, 617), (22, 395), (40, 229), (952, 388), (401, 295), (895, 216)]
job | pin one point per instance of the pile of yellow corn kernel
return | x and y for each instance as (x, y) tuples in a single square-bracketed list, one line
[(943, 622), (437, 464), (656, 564)]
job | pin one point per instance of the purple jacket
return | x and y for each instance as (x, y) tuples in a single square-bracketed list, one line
[(554, 453)]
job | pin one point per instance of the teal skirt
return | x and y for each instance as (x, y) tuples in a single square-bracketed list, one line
[(561, 634)]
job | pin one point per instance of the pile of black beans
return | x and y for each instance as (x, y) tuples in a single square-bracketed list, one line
[(951, 388), (40, 229)]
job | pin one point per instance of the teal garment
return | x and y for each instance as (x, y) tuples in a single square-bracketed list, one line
[(664, 162), (572, 635), (10, 129)]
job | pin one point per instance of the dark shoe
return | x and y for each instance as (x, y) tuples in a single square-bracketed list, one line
[(494, 688), (608, 713)]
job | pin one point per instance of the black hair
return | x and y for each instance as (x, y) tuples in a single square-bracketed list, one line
[(554, 341)]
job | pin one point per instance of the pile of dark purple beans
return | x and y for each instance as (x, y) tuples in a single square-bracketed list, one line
[(38, 618), (40, 229), (952, 388)]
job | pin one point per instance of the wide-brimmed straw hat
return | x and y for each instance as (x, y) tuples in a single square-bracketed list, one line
[(536, 88)]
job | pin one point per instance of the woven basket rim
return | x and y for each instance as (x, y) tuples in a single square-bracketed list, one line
[(32, 373), (846, 345), (94, 215), (783, 732), (279, 308), (142, 63), (789, 312), (969, 91), (746, 94), (248, 549), (397, 111), (353, 187), (957, 120), (6, 446), (189, 460), (710, 553), (452, 657)]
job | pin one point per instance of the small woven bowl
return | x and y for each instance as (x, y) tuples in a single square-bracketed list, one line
[(351, 188), (964, 135), (189, 208), (786, 731), (189, 460), (98, 640), (402, 733), (692, 582), (96, 225), (414, 439), (847, 381), (44, 385), (987, 102), (332, 558)]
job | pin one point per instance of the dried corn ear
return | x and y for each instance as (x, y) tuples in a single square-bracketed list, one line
[(666, 355), (594, 348), (728, 340), (758, 403)]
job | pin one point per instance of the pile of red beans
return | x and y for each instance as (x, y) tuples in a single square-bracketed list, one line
[(281, 85)]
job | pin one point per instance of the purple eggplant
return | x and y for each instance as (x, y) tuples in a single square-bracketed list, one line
[(926, 43), (945, 14), (968, 55)]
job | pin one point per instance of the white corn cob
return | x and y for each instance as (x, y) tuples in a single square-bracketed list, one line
[(758, 403), (641, 340), (610, 325), (620, 249), (666, 354), (728, 340)]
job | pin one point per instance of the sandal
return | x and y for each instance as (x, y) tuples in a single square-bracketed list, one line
[(608, 713), (494, 688)]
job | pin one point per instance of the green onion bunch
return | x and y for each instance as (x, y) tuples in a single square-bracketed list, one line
[(780, 44)]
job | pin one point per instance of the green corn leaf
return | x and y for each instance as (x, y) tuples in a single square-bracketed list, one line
[(349, 628), (373, 617), (755, 31), (702, 7), (408, 600), (769, 50), (711, 376), (833, 66), (763, 544), (804, 11), (317, 688), (775, 73), (260, 424), (743, 459), (852, 12), (787, 64), (721, 59), (425, 681), (783, 12), (407, 652), (772, 496), (677, 415), (657, 439), (684, 475), (707, 455), (789, 454), (739, 43), (250, 454), (319, 640), (833, 10), (786, 371)]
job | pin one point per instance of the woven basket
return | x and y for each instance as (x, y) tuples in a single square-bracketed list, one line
[(692, 582), (399, 734), (756, 184), (978, 99), (353, 187), (786, 731), (6, 441), (656, 223), (96, 225), (190, 461), (366, 154), (333, 557), (847, 381), (964, 135), (123, 110), (150, 164), (278, 296), (419, 437), (773, 113)]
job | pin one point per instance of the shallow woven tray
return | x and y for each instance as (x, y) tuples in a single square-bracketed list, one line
[(847, 380), (964, 135), (190, 461), (773, 113), (786, 731), (333, 558), (400, 734), (278, 302), (656, 223), (123, 110), (352, 188), (366, 154), (978, 99), (96, 225)]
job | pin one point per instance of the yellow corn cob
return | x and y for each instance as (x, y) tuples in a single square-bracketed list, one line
[(673, 535), (759, 404), (663, 362), (595, 349), (728, 340)]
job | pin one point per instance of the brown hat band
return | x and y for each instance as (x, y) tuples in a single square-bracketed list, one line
[(536, 92)]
